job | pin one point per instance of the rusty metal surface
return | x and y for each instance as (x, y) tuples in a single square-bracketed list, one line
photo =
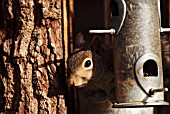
[(139, 35)]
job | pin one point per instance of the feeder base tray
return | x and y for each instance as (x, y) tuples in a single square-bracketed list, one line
[(140, 104)]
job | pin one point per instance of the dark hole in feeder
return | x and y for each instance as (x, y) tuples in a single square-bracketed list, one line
[(114, 8), (150, 68)]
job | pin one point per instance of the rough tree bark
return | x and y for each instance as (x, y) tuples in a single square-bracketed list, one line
[(32, 76)]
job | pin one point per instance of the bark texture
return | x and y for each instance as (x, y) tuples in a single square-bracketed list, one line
[(32, 76)]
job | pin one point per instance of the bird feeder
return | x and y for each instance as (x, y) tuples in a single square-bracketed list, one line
[(138, 61)]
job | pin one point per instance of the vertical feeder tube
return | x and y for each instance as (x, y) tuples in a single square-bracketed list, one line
[(139, 36)]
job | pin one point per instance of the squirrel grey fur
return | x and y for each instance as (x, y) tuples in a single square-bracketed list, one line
[(91, 67)]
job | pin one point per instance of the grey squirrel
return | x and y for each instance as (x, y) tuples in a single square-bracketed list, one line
[(91, 67), (91, 70)]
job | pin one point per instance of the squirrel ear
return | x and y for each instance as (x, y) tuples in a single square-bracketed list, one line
[(96, 44), (79, 39)]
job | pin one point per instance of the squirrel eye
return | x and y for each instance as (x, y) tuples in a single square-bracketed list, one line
[(87, 63)]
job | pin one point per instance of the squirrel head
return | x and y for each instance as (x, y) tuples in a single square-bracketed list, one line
[(83, 63)]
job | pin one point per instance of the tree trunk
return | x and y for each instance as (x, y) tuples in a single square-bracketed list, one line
[(32, 75)]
